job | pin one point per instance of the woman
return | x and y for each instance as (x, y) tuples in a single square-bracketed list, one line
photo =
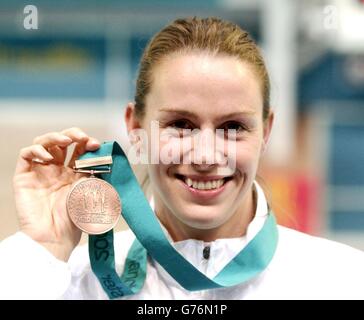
[(203, 74)]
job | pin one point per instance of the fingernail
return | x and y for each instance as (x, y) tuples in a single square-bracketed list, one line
[(94, 141)]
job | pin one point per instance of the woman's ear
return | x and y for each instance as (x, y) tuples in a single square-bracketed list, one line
[(267, 129), (131, 120)]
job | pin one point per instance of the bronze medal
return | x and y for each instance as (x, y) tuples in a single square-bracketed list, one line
[(94, 205)]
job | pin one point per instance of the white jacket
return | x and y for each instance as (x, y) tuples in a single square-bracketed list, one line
[(303, 267)]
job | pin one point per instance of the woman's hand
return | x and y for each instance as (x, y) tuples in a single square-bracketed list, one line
[(42, 181)]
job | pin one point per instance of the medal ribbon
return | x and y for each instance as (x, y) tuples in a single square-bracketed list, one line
[(151, 240)]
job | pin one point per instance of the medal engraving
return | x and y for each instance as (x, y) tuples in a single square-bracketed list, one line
[(94, 206)]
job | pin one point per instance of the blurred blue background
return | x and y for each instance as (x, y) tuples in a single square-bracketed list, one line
[(78, 68)]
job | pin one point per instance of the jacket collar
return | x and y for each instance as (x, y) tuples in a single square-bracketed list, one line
[(221, 250)]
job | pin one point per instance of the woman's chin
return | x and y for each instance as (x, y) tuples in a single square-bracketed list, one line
[(202, 221)]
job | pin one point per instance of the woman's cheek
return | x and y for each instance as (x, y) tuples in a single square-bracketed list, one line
[(247, 158), (158, 175), (170, 150)]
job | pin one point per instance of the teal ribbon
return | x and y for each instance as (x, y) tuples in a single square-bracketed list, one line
[(151, 240)]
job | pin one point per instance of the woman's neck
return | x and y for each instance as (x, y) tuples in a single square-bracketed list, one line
[(234, 227)]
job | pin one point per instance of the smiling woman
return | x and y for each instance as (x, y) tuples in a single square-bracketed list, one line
[(208, 75), (210, 233), (204, 91)]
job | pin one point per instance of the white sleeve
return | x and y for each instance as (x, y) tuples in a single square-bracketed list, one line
[(30, 271)]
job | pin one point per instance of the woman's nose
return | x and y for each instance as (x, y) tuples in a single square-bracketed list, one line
[(206, 152), (203, 167)]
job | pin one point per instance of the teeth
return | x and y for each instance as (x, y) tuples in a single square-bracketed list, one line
[(188, 181), (213, 184), (219, 183)]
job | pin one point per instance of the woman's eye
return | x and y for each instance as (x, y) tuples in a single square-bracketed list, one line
[(181, 124), (238, 127)]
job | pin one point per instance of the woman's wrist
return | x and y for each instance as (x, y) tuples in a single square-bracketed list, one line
[(60, 251)]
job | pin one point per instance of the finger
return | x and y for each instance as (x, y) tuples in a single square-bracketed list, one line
[(84, 141), (53, 139), (81, 147), (78, 135), (28, 155), (92, 144), (59, 154), (57, 143)]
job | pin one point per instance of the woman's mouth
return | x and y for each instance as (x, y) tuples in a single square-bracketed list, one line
[(203, 183), (205, 187)]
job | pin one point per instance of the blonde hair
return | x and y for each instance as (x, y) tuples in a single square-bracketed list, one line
[(211, 35)]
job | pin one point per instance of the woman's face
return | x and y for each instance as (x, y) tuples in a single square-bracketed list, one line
[(204, 92)]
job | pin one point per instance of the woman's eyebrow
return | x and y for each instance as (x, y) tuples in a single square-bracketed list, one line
[(180, 112), (193, 115)]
